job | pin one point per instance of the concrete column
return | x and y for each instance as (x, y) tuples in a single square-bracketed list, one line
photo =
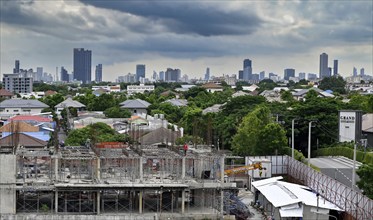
[(98, 202), (56, 168), (221, 202), (56, 201), (183, 201), (140, 202), (98, 171), (222, 159), (183, 168), (141, 170)]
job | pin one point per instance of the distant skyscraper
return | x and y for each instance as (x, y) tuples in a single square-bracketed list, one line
[(247, 70), (39, 74), (354, 71), (172, 75), (140, 71), (289, 73), (207, 74), (64, 75), (98, 73), (362, 72), (262, 75), (335, 68), (240, 74), (16, 67), (161, 76), (82, 65), (312, 76), (324, 69), (155, 76), (302, 76), (271, 74)]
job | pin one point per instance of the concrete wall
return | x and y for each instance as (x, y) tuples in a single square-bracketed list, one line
[(7, 184)]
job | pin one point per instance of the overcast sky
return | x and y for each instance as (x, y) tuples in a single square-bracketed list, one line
[(191, 35)]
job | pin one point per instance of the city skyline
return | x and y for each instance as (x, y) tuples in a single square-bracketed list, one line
[(219, 35)]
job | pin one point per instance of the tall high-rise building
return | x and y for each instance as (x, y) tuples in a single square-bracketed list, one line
[(64, 75), (207, 74), (302, 75), (16, 67), (161, 76), (172, 75), (82, 65), (289, 73), (354, 71), (98, 73), (39, 74), (262, 75), (247, 70), (155, 75), (335, 68), (324, 69), (240, 74), (362, 72), (140, 71)]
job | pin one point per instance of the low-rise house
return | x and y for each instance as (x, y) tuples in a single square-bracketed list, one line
[(9, 143), (69, 102), (251, 88), (240, 93), (271, 96), (300, 95), (184, 88), (177, 102), (50, 92), (36, 131), (135, 106), (139, 88), (213, 109), (11, 107), (212, 87), (100, 91), (5, 94)]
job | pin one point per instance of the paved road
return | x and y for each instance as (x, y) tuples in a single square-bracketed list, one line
[(339, 168)]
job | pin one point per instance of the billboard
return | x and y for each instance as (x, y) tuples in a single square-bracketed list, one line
[(349, 125)]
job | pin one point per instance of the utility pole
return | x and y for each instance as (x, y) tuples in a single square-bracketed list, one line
[(354, 169), (309, 142), (292, 138)]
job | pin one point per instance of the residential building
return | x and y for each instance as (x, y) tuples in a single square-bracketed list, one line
[(155, 76), (335, 68), (262, 75), (289, 73), (98, 73), (140, 72), (312, 76), (12, 107), (240, 74), (69, 103), (136, 106), (161, 76), (18, 82), (177, 102), (39, 74), (212, 87), (82, 65), (139, 88), (301, 94), (362, 72), (64, 75), (5, 94), (129, 78), (324, 69)]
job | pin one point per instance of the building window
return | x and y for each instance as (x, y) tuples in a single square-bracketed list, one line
[(15, 110)]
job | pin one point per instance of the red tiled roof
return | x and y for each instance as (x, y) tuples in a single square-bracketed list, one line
[(30, 118), (4, 92), (50, 92), (212, 86)]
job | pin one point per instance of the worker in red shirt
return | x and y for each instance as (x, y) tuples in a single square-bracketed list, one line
[(185, 149)]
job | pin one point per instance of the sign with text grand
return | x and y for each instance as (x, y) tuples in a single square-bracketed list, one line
[(349, 125)]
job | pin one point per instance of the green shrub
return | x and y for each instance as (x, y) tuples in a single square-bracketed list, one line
[(346, 152)]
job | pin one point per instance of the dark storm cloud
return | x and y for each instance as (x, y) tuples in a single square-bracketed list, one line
[(188, 17)]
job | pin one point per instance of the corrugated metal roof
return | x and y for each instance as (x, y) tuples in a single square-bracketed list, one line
[(134, 103), (70, 103), (178, 102), (22, 103)]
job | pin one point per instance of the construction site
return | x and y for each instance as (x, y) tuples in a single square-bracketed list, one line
[(144, 181)]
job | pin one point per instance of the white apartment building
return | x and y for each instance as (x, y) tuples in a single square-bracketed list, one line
[(139, 89), (18, 82)]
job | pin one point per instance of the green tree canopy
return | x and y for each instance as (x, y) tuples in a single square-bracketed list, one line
[(365, 173), (98, 132), (117, 112), (336, 84), (259, 135)]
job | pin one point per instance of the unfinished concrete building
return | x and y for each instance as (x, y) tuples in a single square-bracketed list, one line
[(144, 182)]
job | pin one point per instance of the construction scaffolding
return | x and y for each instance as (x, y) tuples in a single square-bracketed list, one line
[(126, 181)]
